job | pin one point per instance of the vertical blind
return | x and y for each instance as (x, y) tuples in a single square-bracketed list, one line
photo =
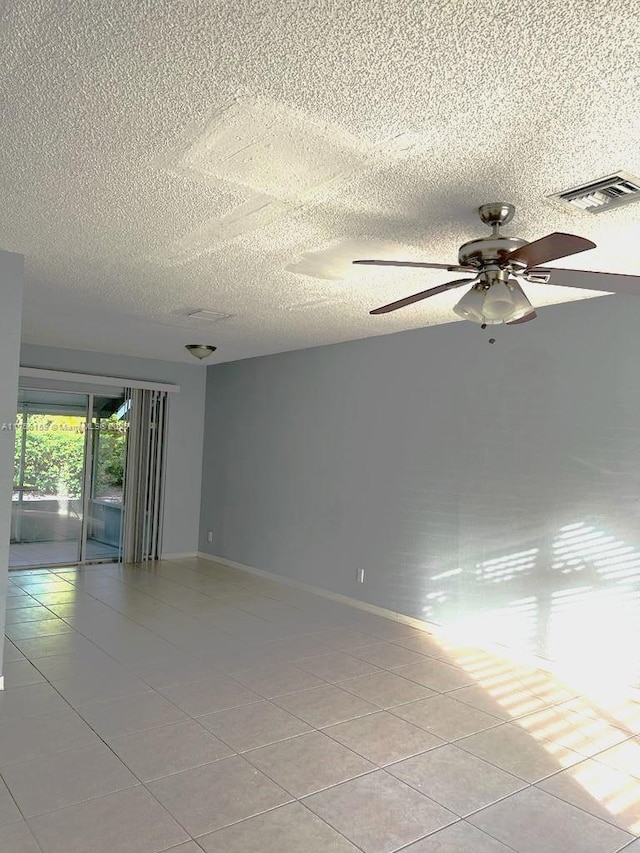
[(144, 475)]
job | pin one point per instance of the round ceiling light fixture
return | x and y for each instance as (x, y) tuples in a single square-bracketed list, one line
[(200, 350)]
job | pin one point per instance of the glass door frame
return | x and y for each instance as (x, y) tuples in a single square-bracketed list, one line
[(23, 450), (87, 476)]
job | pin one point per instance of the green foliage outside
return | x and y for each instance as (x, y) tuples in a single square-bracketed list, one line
[(54, 458), (109, 472)]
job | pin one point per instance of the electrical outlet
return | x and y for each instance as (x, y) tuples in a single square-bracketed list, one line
[(210, 536), (360, 575)]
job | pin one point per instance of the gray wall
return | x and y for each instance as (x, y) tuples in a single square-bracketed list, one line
[(186, 417), (11, 280), (432, 452)]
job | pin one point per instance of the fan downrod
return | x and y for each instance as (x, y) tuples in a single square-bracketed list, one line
[(494, 248), (495, 214)]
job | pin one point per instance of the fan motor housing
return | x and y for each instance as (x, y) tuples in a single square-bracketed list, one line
[(486, 250)]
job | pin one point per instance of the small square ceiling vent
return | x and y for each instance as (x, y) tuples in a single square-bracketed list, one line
[(603, 194), (209, 316)]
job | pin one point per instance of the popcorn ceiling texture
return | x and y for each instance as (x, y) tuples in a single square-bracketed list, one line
[(133, 208)]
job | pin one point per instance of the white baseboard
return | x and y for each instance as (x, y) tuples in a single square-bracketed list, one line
[(440, 632), (421, 624), (325, 593), (183, 556)]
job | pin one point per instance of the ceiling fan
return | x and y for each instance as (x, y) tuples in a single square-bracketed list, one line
[(497, 262)]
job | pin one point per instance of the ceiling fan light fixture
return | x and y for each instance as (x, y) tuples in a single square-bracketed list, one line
[(498, 303), (521, 305), (496, 297), (471, 306)]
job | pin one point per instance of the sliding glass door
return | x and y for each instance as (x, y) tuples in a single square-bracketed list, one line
[(105, 485), (68, 477), (47, 505)]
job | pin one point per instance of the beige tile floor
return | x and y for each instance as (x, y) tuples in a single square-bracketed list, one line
[(190, 707), (24, 554)]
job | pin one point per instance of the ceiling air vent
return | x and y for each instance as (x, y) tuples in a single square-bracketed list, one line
[(603, 194), (210, 316)]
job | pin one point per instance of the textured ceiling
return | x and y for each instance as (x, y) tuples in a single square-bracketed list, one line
[(165, 157)]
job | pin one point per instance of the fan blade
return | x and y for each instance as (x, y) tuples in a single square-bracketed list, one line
[(424, 294), (449, 267), (525, 319), (549, 248), (608, 282)]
